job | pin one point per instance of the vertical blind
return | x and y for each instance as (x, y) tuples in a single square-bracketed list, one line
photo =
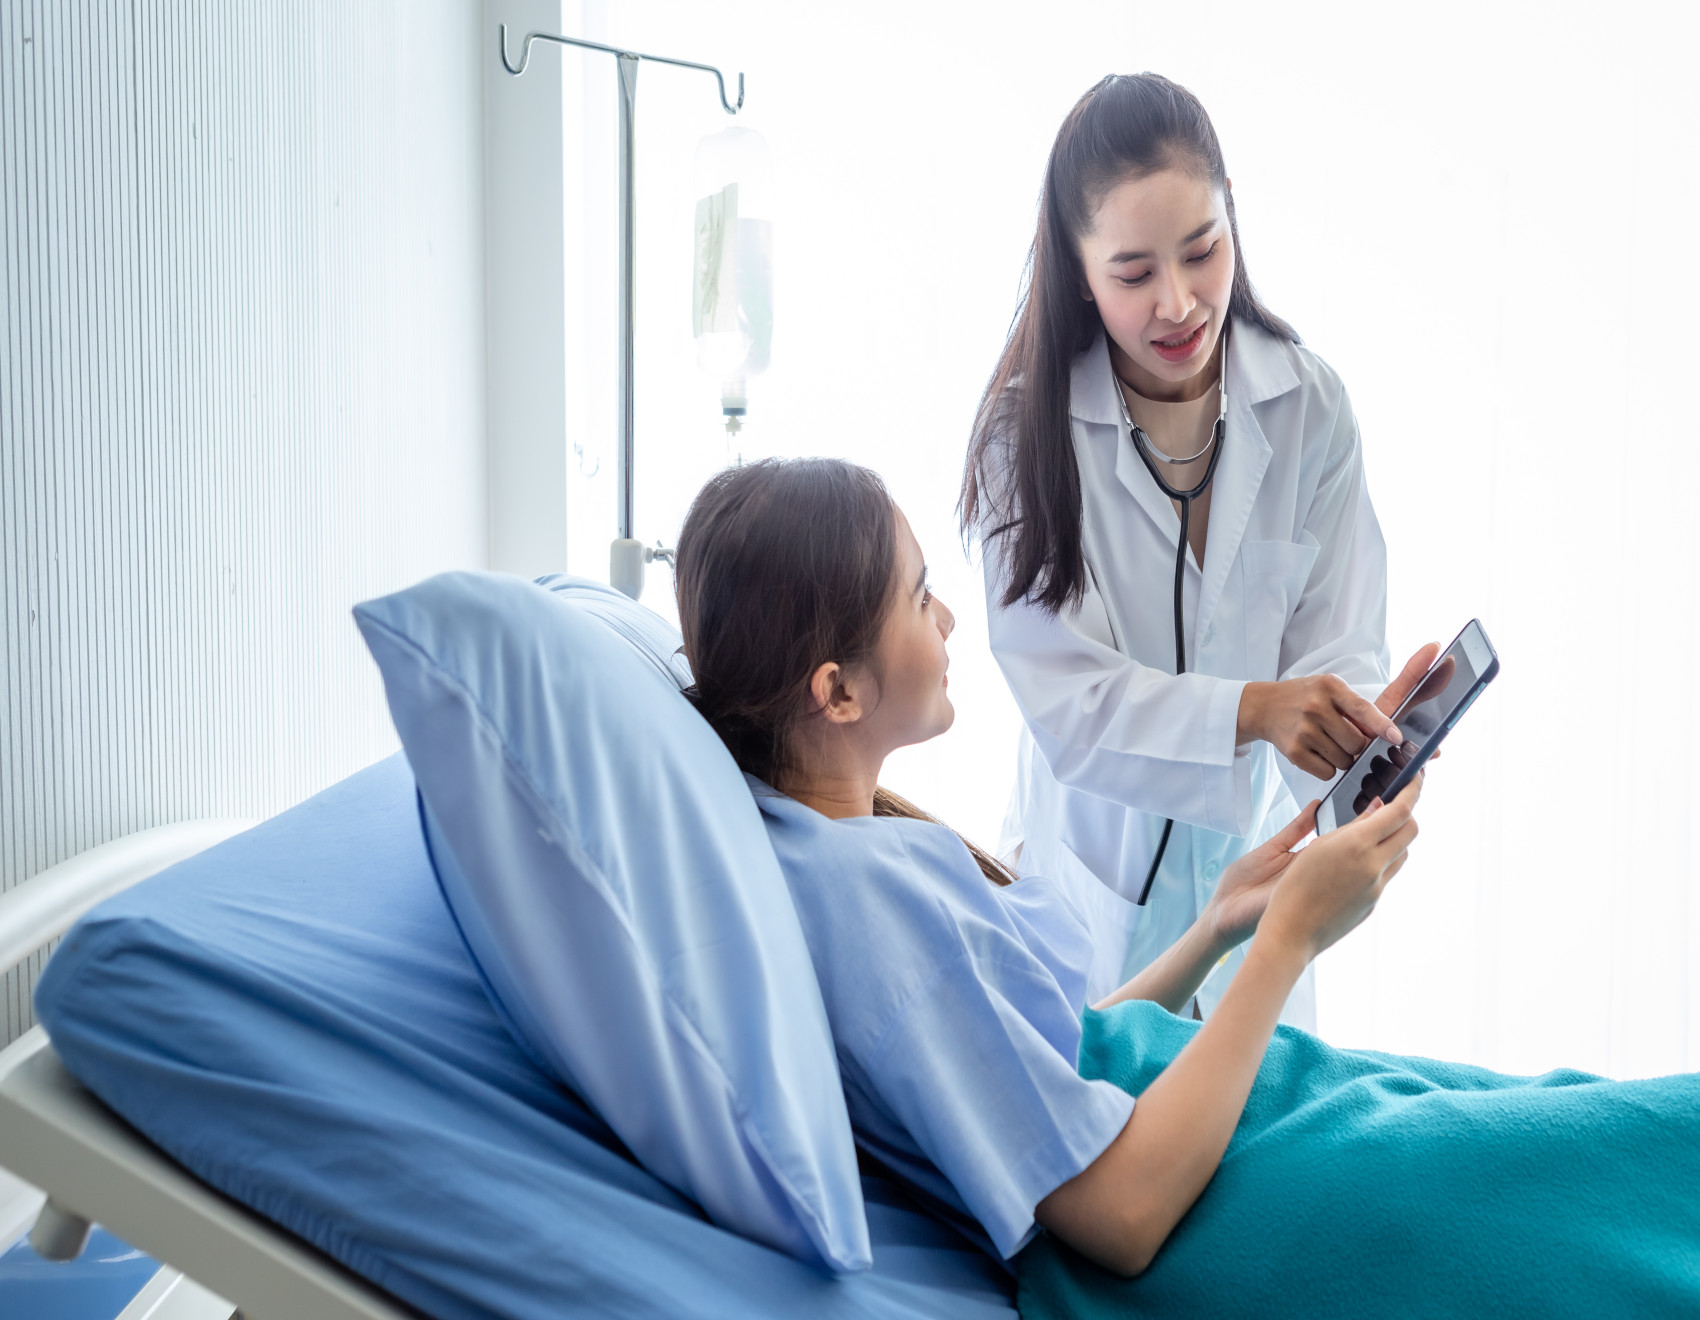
[(241, 389)]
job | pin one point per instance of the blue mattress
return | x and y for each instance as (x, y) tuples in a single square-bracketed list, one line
[(294, 1017)]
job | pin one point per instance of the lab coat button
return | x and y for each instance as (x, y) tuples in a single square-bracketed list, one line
[(1213, 870)]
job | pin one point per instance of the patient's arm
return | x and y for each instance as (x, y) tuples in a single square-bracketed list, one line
[(1174, 977), (1123, 1206), (1227, 921)]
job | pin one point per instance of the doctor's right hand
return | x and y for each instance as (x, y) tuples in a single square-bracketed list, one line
[(1335, 883), (1319, 724)]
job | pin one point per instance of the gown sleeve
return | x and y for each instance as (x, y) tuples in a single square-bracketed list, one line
[(968, 1069), (976, 1058)]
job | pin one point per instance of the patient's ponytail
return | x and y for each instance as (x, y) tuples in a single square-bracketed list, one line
[(783, 566)]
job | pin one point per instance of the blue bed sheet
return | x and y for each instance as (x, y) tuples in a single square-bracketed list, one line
[(294, 1017)]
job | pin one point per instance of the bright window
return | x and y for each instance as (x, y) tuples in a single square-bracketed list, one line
[(1481, 215)]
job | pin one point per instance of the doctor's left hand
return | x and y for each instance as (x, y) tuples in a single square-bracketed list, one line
[(1238, 903)]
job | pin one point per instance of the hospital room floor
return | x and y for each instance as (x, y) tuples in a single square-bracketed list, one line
[(96, 1286)]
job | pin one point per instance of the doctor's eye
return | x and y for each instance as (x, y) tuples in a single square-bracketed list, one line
[(1207, 253), (926, 595)]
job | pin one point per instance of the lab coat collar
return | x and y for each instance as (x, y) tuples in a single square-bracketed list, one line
[(1260, 368)]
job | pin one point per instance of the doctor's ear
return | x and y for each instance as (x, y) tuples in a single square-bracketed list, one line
[(837, 693)]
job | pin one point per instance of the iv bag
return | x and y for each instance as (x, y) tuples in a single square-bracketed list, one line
[(732, 294)]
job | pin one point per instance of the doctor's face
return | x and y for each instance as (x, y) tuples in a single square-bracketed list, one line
[(1159, 264), (910, 659)]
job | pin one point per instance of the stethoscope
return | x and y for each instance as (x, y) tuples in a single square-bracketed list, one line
[(1153, 456)]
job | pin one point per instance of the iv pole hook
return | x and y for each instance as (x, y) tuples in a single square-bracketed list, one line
[(628, 555), (525, 56)]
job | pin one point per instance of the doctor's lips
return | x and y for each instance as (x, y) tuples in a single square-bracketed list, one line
[(1181, 348)]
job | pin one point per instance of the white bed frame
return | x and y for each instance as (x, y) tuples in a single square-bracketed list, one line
[(92, 1167)]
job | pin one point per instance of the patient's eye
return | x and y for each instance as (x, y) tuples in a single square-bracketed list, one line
[(926, 594), (1134, 281), (1206, 254)]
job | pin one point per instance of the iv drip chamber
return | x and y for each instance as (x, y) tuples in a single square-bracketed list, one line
[(732, 295)]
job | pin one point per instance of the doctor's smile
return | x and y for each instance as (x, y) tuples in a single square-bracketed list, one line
[(1179, 349)]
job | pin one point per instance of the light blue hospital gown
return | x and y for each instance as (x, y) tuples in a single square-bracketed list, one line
[(955, 1006)]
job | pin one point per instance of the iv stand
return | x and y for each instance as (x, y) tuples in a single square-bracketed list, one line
[(627, 556)]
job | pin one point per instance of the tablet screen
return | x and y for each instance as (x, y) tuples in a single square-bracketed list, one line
[(1431, 709)]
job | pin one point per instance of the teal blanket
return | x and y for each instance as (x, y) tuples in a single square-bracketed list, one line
[(1363, 1184)]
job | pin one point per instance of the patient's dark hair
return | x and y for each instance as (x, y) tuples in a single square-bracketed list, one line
[(783, 566)]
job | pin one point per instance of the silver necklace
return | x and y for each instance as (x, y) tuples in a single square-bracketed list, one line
[(1144, 441)]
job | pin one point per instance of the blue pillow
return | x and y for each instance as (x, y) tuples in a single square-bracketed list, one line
[(644, 630), (613, 880)]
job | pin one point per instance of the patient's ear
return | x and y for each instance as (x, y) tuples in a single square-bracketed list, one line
[(838, 693)]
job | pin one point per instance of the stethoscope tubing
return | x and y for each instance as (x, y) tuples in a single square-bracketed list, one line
[(1142, 444)]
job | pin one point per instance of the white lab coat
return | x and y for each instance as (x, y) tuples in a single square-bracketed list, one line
[(1294, 582)]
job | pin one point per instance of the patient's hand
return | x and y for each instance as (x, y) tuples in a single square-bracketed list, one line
[(1335, 883), (1238, 903)]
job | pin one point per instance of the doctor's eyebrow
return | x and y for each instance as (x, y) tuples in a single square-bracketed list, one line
[(920, 582), (1200, 232)]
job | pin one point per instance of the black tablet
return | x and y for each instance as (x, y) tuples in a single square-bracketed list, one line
[(1437, 703)]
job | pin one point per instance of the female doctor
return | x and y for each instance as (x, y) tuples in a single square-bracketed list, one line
[(1180, 696)]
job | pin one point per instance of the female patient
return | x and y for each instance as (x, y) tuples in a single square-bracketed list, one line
[(955, 991)]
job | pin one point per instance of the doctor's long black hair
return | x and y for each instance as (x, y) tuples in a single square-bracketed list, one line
[(1022, 481)]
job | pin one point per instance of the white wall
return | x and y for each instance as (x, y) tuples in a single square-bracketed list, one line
[(1483, 219), (242, 388), (525, 219), (1481, 214)]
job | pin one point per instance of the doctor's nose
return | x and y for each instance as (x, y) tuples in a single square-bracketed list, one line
[(1174, 300), (946, 620)]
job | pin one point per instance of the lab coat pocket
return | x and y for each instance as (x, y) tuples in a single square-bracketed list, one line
[(1275, 576)]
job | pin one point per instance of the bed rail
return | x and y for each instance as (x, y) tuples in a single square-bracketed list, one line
[(32, 915), (96, 1168), (46, 905)]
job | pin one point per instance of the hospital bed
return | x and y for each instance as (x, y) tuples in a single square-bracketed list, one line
[(282, 1079), (58, 1136)]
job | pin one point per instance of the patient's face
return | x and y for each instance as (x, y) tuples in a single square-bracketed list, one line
[(910, 661)]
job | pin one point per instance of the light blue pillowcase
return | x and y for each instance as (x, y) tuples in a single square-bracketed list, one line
[(644, 630), (613, 879)]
